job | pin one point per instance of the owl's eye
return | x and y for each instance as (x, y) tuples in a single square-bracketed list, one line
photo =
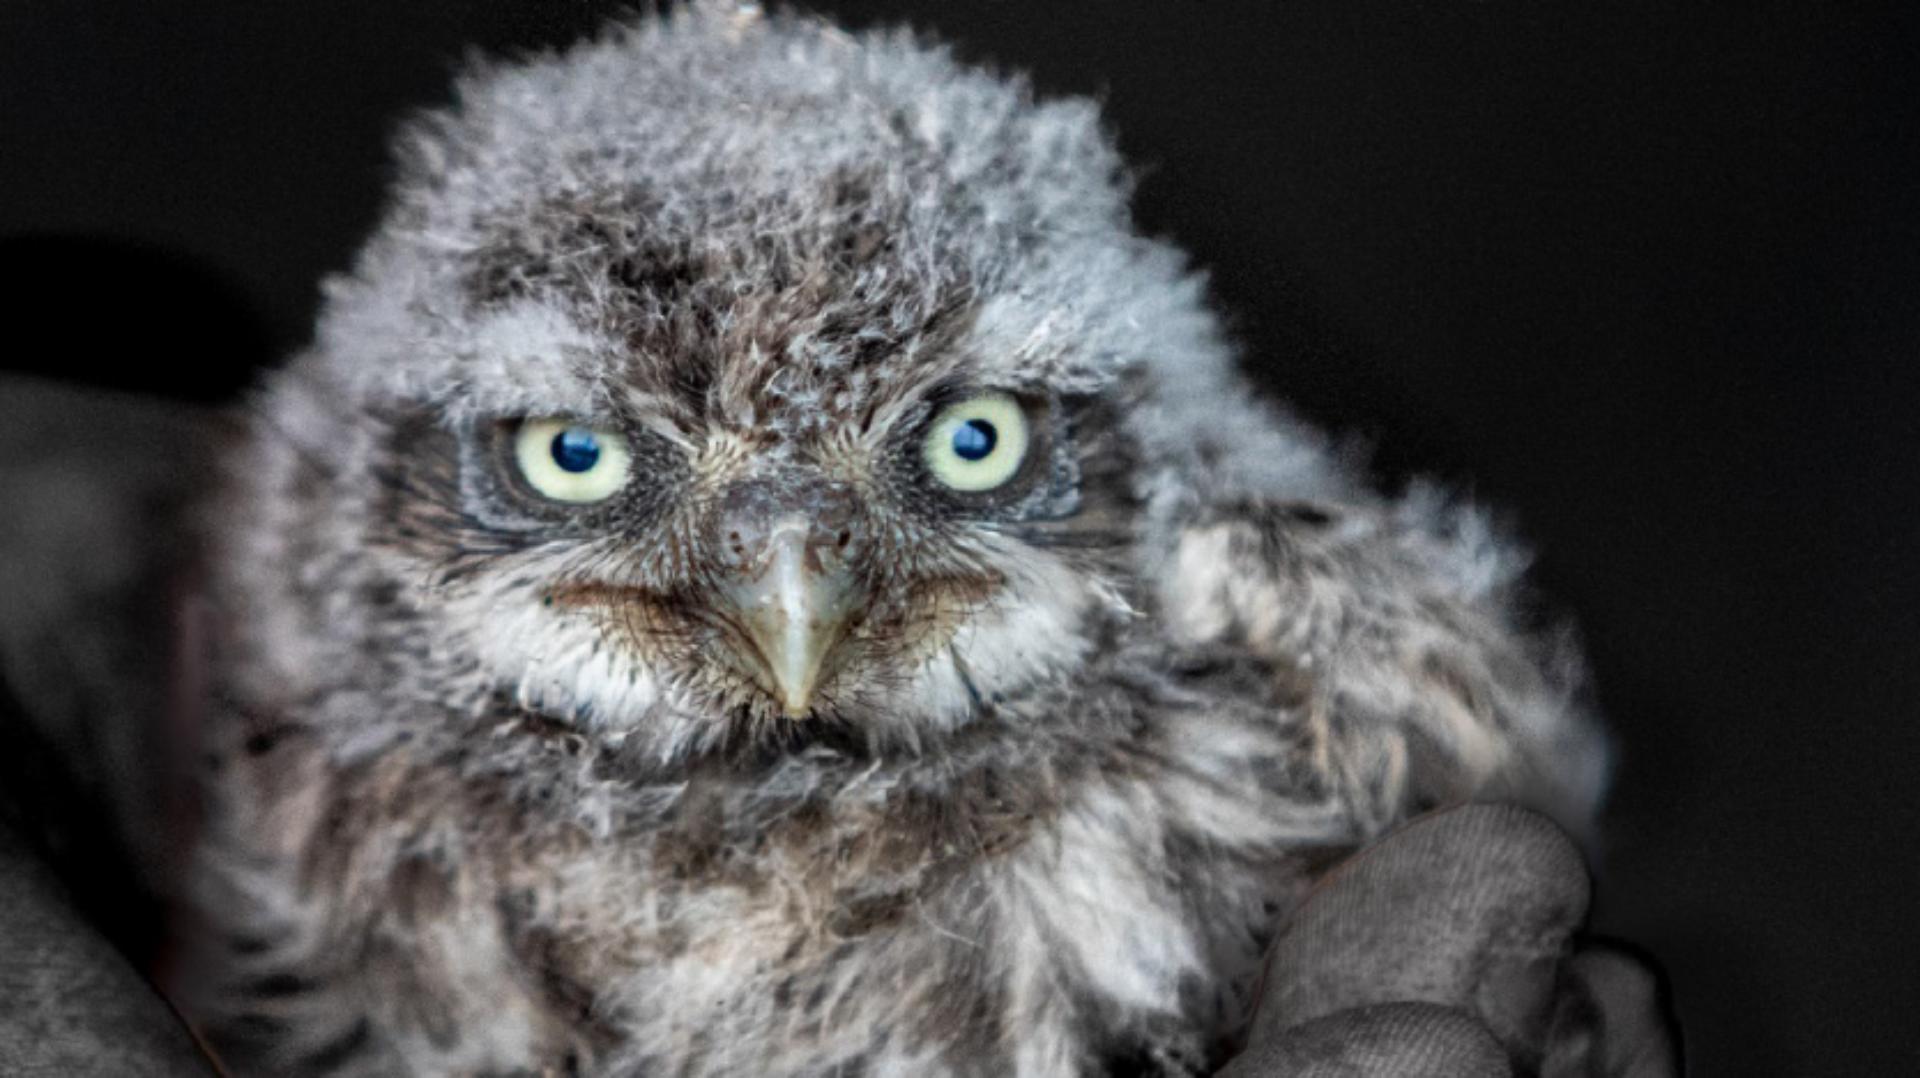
[(978, 443), (571, 462)]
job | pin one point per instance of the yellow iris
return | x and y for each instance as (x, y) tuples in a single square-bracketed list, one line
[(977, 444), (570, 461)]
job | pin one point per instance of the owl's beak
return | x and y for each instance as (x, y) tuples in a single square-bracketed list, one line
[(794, 601)]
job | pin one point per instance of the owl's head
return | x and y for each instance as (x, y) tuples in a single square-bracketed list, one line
[(728, 379)]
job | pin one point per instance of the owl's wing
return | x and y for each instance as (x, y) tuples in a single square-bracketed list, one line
[(1397, 628)]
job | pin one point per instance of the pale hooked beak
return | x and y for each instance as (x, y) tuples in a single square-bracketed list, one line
[(794, 603)]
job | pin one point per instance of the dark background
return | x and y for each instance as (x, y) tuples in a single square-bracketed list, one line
[(1643, 275)]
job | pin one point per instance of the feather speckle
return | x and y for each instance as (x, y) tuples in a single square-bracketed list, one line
[(1024, 778)]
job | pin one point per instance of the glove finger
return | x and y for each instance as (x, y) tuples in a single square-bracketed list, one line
[(1387, 1040), (1469, 907), (1610, 1022)]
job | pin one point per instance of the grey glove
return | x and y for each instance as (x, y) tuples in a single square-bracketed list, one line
[(91, 487), (69, 1003), (1446, 949)]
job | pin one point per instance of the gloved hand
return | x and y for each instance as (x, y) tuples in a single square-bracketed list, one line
[(69, 1003), (1446, 949)]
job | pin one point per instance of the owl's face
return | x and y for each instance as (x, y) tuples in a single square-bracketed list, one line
[(722, 557), (721, 383)]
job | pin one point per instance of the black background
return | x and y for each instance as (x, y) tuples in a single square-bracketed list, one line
[(1642, 275)]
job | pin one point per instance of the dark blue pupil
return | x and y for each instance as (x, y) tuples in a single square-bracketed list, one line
[(575, 450), (974, 439)]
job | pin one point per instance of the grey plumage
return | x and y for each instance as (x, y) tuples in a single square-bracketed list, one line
[(492, 788)]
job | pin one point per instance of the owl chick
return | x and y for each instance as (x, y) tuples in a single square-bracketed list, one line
[(763, 570)]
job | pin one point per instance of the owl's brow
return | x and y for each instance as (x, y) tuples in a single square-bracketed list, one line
[(648, 411)]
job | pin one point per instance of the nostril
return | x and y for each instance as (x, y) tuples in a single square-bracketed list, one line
[(756, 515)]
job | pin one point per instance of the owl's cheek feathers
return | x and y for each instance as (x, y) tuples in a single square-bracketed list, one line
[(787, 638), (1036, 628), (778, 615)]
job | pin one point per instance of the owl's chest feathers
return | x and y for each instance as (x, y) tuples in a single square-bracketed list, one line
[(992, 901), (854, 855), (1038, 884)]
